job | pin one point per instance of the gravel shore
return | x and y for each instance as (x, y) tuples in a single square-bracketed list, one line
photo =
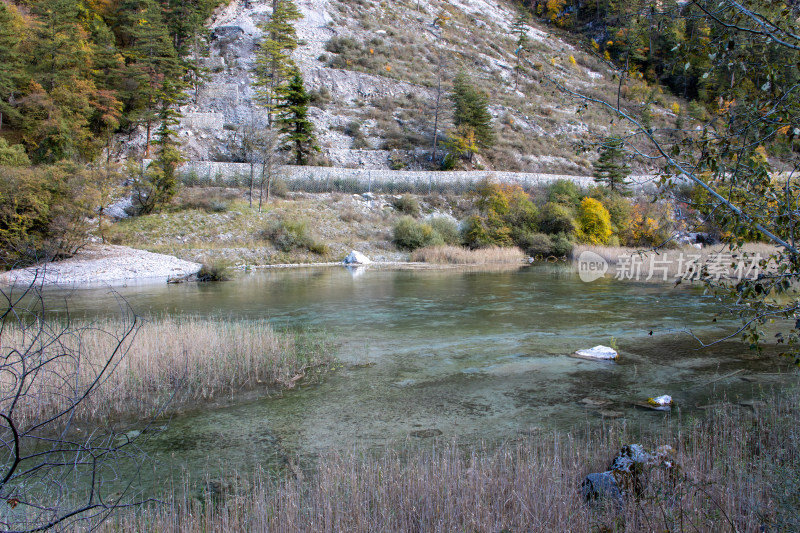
[(104, 265)]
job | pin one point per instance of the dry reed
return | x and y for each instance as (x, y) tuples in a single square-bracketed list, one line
[(456, 255), (738, 470), (166, 361)]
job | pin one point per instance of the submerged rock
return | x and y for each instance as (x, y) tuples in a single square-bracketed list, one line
[(595, 403), (599, 352), (356, 258), (661, 401), (755, 405), (426, 433)]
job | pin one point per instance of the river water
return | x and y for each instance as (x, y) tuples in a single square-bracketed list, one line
[(473, 355)]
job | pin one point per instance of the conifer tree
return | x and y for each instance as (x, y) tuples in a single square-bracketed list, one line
[(294, 125), (518, 29), (158, 185), (58, 102), (274, 65), (12, 75), (61, 51), (148, 50), (471, 109), (611, 169)]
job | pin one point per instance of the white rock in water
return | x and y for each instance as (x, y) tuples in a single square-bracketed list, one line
[(662, 401), (598, 352), (356, 258)]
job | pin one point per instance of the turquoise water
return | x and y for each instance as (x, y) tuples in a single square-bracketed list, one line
[(462, 354)]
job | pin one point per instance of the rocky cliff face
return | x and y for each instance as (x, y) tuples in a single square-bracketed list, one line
[(373, 69)]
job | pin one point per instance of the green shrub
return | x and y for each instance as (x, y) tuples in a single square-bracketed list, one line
[(564, 192), (594, 222), (319, 248), (13, 155), (506, 215), (43, 212), (288, 235), (556, 218), (535, 244), (320, 98), (407, 205), (619, 208), (447, 229), (214, 271), (523, 215), (562, 245), (410, 234), (543, 245), (340, 45), (484, 231)]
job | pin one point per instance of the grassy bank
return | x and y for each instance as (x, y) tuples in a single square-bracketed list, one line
[(738, 470), (285, 232), (179, 361)]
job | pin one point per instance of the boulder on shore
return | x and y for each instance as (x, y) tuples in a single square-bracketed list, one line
[(356, 258), (628, 474), (599, 352), (600, 486)]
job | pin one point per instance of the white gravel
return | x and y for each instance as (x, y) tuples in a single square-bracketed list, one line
[(104, 265)]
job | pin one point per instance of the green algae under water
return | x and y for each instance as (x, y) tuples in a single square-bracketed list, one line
[(473, 355)]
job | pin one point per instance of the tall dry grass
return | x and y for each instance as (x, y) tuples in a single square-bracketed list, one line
[(179, 361), (674, 262), (457, 255), (737, 471)]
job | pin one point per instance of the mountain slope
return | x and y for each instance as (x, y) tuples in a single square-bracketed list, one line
[(372, 67)]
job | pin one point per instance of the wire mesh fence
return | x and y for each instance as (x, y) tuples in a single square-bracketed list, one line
[(361, 181)]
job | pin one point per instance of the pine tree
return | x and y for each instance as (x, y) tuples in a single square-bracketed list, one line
[(59, 102), (518, 28), (471, 109), (157, 186), (294, 125), (61, 51), (274, 65), (611, 169), (151, 58), (12, 75)]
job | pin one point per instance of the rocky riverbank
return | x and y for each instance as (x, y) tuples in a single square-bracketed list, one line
[(104, 264)]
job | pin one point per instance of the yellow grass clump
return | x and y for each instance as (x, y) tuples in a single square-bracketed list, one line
[(456, 255), (165, 361)]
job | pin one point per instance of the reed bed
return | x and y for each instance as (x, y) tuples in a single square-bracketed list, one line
[(457, 255), (737, 470), (172, 362), (669, 264)]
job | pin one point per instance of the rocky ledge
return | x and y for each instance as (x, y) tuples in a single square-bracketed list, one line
[(104, 265)]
